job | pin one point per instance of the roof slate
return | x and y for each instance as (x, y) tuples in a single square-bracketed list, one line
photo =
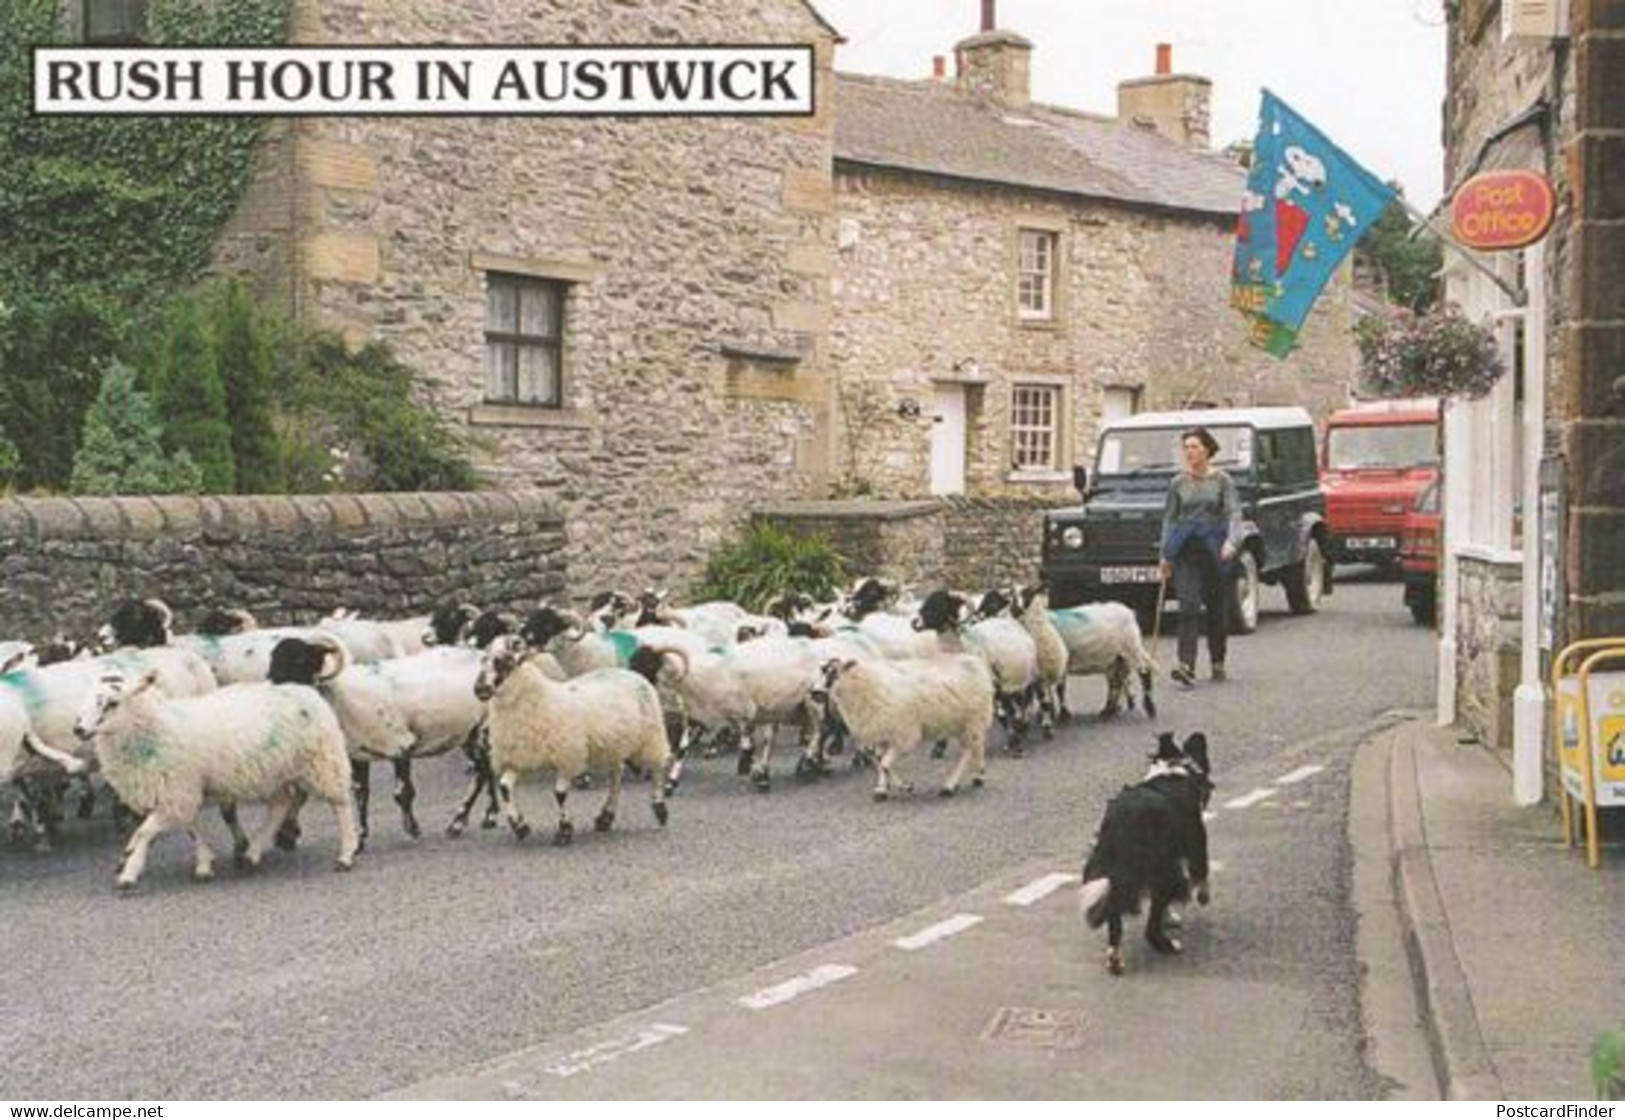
[(933, 128)]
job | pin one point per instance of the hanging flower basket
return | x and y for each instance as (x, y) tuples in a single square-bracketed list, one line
[(1439, 354)]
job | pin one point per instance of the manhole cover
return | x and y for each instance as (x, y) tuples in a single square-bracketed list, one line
[(1033, 1026)]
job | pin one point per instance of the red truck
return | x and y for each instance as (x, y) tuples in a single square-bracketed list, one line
[(1377, 458)]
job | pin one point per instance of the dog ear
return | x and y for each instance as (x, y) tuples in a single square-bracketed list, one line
[(1167, 750), (1195, 749)]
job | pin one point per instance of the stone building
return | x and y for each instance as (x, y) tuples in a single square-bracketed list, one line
[(1535, 472), (630, 313), (1008, 273)]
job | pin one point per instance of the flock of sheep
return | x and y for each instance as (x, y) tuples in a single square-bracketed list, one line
[(236, 713)]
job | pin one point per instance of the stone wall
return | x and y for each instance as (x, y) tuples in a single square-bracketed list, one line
[(66, 560), (925, 295), (696, 254), (1488, 647), (967, 543)]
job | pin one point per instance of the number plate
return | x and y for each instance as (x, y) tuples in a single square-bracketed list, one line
[(1131, 575), (1371, 542)]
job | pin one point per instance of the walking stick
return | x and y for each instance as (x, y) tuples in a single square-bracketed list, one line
[(1156, 621)]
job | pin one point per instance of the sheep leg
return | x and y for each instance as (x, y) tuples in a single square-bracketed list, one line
[(883, 779), (87, 798), (1114, 943), (405, 794), (561, 794), (761, 777), (1015, 727), (239, 838), (510, 804), (1060, 701), (202, 856), (22, 816), (1046, 709), (1145, 694), (361, 786), (1116, 684), (287, 836), (134, 859), (277, 808), (605, 820)]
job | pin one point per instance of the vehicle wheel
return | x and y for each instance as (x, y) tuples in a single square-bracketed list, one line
[(1245, 594), (1305, 581), (1423, 612)]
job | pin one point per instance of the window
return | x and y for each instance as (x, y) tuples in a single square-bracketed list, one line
[(1035, 275), (1035, 428), (523, 340), (110, 22)]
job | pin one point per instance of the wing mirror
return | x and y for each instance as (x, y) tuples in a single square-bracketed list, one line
[(1080, 480)]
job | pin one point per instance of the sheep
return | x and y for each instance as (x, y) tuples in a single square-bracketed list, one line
[(250, 742), (1030, 606), (896, 635), (1010, 652), (239, 651), (1105, 638), (602, 720), (891, 706)]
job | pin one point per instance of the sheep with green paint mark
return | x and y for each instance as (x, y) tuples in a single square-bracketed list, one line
[(248, 742)]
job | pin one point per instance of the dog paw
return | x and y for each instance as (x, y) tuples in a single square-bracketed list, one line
[(1203, 895)]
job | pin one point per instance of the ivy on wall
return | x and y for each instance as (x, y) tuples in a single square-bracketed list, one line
[(101, 218)]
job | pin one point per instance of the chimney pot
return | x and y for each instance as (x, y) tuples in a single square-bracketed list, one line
[(1165, 58), (939, 67), (989, 18)]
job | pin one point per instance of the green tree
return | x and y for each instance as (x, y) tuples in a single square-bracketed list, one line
[(121, 451), (245, 354), (1409, 266), (185, 382)]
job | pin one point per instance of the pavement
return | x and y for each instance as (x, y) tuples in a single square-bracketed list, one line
[(1489, 956)]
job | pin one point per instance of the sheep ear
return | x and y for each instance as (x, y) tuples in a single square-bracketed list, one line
[(849, 664), (148, 679)]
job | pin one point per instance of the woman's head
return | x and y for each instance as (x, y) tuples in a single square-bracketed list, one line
[(1199, 447)]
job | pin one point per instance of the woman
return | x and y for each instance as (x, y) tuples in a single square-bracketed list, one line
[(1201, 525)]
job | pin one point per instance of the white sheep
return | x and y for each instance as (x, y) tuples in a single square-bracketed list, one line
[(250, 742), (892, 706), (1010, 653), (1030, 607), (602, 721), (1105, 638)]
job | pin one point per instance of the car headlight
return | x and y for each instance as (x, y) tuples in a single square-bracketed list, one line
[(1072, 537)]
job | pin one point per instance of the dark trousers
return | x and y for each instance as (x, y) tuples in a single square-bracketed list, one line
[(1204, 596)]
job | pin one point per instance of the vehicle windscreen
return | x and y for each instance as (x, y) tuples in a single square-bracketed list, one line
[(1131, 451), (1372, 447)]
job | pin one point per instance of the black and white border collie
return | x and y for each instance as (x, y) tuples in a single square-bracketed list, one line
[(1152, 843)]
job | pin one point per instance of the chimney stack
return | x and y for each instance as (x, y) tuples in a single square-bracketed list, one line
[(995, 64), (939, 67), (1176, 105)]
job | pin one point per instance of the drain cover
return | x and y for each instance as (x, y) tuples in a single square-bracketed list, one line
[(1033, 1026)]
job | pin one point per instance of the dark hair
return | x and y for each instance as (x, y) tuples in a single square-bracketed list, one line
[(1204, 436)]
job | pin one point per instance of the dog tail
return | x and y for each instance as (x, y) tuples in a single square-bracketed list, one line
[(1092, 898)]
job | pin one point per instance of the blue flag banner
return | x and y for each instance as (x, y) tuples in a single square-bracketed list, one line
[(1307, 203)]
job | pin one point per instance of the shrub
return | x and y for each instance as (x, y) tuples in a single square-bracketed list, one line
[(185, 381), (1442, 353), (767, 561), (245, 344), (121, 451)]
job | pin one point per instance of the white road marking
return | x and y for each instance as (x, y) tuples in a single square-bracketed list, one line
[(1215, 866), (1298, 775), (1039, 888), (1249, 799), (822, 976), (583, 1060), (959, 923)]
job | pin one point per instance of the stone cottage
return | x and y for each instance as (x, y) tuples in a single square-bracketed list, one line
[(629, 313), (1008, 273), (1535, 472)]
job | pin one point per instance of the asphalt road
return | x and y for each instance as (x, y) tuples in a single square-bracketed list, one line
[(436, 955)]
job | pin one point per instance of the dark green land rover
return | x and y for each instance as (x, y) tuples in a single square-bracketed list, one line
[(1106, 548)]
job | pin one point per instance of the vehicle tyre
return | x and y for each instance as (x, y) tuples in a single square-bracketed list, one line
[(1244, 595), (1305, 581), (1423, 610)]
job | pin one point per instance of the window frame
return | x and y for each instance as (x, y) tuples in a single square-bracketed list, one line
[(520, 340), (1051, 239), (1056, 430)]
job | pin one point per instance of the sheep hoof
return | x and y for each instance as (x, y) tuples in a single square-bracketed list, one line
[(661, 813), (940, 749), (807, 768), (287, 837), (582, 781), (1114, 962), (344, 865), (455, 828), (881, 795), (489, 821), (1150, 708), (947, 791), (203, 876), (521, 831), (19, 832), (413, 829), (746, 759), (1049, 733), (125, 885), (761, 781), (976, 782), (671, 786), (566, 833), (603, 822)]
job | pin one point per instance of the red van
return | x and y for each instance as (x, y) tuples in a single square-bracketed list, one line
[(1419, 554), (1377, 458)]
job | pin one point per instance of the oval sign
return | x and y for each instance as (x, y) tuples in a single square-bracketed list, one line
[(1503, 210)]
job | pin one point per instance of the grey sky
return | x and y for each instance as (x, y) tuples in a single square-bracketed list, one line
[(1367, 73)]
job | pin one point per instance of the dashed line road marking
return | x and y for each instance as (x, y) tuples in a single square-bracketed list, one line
[(1247, 800), (959, 923), (583, 1060), (1039, 888), (1298, 775), (820, 977)]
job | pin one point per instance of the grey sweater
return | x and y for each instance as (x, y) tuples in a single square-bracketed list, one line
[(1203, 507)]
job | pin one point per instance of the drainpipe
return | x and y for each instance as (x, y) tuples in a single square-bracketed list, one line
[(1529, 700)]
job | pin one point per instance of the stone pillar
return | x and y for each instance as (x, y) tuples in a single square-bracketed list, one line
[(1594, 434)]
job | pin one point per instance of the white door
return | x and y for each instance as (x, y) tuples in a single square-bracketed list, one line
[(948, 440)]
